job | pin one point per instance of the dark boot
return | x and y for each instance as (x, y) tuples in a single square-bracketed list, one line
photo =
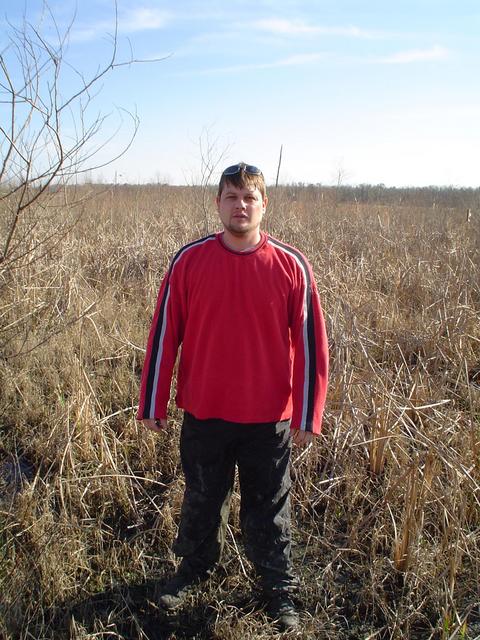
[(176, 590), (281, 609)]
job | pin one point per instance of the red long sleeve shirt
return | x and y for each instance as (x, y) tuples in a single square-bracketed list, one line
[(252, 336)]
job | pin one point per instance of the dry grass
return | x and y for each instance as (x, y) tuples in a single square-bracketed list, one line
[(386, 505)]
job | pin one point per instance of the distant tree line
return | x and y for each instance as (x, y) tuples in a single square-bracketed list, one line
[(430, 196)]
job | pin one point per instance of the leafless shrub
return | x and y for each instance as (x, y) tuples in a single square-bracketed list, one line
[(51, 135)]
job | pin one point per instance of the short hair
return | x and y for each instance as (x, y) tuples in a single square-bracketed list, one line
[(243, 179)]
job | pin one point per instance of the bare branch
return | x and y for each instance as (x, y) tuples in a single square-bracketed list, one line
[(37, 148)]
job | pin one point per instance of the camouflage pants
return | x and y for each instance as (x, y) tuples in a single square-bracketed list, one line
[(210, 449)]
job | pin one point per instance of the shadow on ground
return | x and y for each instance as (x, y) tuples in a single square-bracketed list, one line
[(131, 612)]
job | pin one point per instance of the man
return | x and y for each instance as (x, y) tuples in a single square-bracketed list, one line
[(252, 377)]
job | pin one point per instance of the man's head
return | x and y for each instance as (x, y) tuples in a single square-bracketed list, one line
[(241, 203), (243, 175)]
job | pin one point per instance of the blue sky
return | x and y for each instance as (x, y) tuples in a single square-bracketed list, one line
[(374, 91)]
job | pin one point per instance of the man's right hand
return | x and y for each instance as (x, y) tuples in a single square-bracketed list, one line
[(155, 425)]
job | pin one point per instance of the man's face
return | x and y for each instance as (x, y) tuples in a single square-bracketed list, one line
[(241, 209)]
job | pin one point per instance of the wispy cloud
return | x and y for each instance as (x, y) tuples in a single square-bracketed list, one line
[(279, 26), (284, 27), (142, 19), (85, 34), (417, 55), (290, 61), (131, 21), (300, 59)]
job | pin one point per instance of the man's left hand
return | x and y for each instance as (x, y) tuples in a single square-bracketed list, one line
[(301, 438)]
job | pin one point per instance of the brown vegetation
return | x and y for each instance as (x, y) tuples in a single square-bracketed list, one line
[(386, 504)]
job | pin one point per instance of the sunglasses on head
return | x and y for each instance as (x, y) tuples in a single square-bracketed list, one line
[(236, 168)]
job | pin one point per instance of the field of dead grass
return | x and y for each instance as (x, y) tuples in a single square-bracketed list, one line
[(386, 504)]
